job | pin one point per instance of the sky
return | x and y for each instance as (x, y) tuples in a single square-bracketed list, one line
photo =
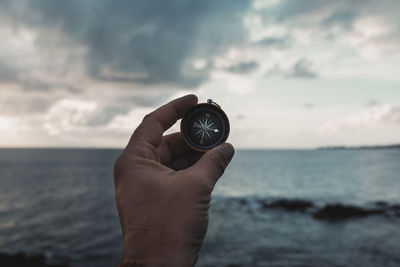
[(288, 73)]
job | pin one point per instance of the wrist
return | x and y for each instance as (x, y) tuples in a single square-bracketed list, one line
[(151, 249)]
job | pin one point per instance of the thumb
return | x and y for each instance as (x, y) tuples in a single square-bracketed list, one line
[(212, 164)]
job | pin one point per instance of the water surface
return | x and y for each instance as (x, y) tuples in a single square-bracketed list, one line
[(60, 202)]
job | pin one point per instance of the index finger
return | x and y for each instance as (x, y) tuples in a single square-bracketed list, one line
[(151, 130)]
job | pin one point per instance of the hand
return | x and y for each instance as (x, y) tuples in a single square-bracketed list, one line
[(163, 190)]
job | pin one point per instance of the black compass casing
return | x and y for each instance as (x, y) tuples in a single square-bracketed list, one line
[(205, 126)]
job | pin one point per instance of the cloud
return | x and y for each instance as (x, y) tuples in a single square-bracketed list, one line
[(129, 121), (28, 105), (75, 66), (67, 115), (71, 114), (338, 11), (243, 67), (8, 74), (308, 105), (387, 114), (373, 103), (280, 42), (8, 123), (349, 22), (146, 42), (159, 42), (117, 54), (301, 69)]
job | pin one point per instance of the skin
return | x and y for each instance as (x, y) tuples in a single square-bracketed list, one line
[(163, 190)]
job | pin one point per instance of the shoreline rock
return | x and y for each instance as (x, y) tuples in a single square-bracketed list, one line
[(337, 212), (289, 205)]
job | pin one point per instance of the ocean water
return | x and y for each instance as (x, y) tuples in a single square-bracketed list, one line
[(270, 208)]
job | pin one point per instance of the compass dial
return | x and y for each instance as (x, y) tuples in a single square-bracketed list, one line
[(205, 126)]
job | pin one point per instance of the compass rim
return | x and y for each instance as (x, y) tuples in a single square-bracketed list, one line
[(226, 126)]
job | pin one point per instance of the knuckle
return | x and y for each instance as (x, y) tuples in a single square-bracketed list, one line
[(147, 117)]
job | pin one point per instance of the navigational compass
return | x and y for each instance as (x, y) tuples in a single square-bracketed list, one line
[(205, 126)]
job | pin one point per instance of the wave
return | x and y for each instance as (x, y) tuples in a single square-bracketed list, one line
[(324, 212)]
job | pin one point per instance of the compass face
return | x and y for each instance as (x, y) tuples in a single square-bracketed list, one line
[(205, 126)]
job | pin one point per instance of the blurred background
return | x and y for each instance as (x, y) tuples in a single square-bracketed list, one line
[(77, 77)]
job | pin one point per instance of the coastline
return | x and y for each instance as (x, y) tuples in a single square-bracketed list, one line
[(393, 146)]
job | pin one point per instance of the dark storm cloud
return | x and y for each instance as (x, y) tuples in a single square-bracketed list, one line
[(156, 41), (243, 67), (139, 41), (13, 75)]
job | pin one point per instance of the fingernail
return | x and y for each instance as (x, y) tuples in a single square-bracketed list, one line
[(228, 151)]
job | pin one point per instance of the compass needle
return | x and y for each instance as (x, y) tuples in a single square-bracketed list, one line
[(205, 126)]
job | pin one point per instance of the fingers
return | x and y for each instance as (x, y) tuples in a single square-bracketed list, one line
[(186, 160), (176, 144), (212, 164), (176, 153), (151, 129), (170, 147)]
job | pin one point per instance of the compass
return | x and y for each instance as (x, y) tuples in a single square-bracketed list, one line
[(205, 126)]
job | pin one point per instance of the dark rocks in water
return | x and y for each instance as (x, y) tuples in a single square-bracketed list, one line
[(396, 207), (381, 204), (338, 212), (23, 260), (243, 201), (331, 212), (391, 209), (289, 205), (396, 210)]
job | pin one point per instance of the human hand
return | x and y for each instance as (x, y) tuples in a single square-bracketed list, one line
[(163, 190)]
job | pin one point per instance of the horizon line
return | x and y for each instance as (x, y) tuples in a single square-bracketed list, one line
[(322, 147)]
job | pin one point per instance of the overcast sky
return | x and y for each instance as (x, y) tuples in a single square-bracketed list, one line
[(289, 73)]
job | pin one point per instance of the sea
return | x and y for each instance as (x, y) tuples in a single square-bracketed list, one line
[(291, 208)]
